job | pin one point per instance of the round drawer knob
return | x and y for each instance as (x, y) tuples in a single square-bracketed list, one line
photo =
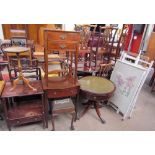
[(95, 97), (55, 93)]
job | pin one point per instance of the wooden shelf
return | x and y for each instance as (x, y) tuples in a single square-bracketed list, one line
[(30, 109)]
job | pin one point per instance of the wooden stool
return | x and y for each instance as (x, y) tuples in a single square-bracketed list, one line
[(62, 106)]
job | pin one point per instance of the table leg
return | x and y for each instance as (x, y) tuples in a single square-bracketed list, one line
[(86, 109), (43, 112), (96, 106), (6, 113), (21, 77), (27, 82), (15, 83), (46, 109)]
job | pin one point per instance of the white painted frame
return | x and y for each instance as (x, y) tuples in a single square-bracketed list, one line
[(145, 70)]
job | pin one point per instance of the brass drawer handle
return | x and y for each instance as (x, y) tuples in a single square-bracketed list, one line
[(62, 46), (62, 36)]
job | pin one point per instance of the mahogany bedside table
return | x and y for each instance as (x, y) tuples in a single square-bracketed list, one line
[(24, 112)]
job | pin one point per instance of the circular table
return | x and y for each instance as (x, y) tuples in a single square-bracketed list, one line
[(18, 50), (96, 89)]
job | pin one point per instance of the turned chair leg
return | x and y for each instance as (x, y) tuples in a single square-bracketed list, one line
[(73, 117), (53, 125), (75, 102)]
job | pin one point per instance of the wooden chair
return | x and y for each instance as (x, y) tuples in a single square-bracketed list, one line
[(5, 44), (105, 70), (18, 33), (118, 46), (85, 49), (85, 35), (88, 55), (107, 35), (66, 44)]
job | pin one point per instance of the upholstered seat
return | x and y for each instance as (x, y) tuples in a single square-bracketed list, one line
[(63, 106)]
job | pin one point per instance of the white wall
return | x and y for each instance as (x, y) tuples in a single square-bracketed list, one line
[(68, 27), (1, 32)]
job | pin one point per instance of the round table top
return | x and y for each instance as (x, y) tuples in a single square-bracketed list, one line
[(16, 49), (96, 85)]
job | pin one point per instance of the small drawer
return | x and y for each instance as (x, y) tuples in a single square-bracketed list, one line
[(53, 45), (62, 93), (63, 36)]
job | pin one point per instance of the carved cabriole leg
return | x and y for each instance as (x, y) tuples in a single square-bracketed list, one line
[(85, 110), (96, 106), (27, 82), (14, 84)]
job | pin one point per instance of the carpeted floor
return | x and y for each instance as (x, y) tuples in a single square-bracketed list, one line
[(143, 118)]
